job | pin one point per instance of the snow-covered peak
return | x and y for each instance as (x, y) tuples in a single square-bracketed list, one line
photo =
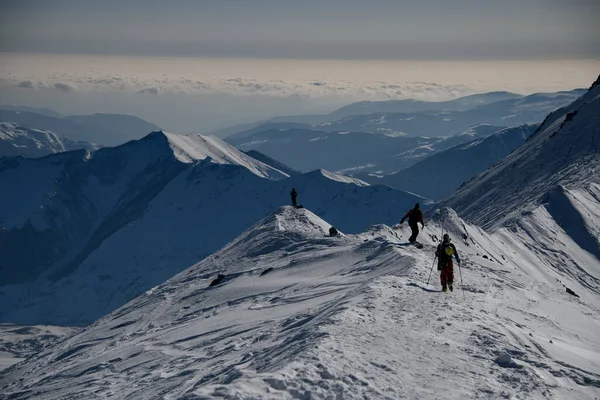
[(194, 147), (289, 220)]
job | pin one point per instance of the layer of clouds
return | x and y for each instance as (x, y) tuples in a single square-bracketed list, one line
[(351, 80), (203, 94), (245, 87)]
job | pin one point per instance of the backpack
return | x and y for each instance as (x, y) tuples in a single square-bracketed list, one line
[(445, 253)]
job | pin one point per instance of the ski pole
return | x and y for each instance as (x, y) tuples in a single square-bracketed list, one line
[(443, 216), (434, 258), (461, 281)]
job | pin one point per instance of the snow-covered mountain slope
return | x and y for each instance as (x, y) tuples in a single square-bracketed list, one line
[(17, 140), (546, 194), (257, 155), (20, 342), (440, 174), (89, 232), (297, 314), (562, 156)]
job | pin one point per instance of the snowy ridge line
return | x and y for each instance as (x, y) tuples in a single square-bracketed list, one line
[(300, 314), (194, 147), (139, 219)]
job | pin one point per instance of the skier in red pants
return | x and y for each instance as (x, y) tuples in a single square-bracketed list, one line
[(444, 253)]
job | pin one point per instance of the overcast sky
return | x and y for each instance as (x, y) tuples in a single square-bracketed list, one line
[(347, 29)]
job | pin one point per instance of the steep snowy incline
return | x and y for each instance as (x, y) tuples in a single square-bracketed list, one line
[(17, 343), (194, 147), (297, 314), (257, 155), (17, 140), (546, 195), (565, 151)]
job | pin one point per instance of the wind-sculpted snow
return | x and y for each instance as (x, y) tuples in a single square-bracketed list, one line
[(298, 314), (88, 232), (20, 342)]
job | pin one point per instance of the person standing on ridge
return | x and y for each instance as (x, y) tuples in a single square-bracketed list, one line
[(444, 253), (294, 194), (414, 217)]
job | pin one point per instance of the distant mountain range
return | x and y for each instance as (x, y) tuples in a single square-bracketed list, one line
[(366, 108), (102, 129), (16, 140), (438, 175), (351, 152), (522, 110), (421, 118)]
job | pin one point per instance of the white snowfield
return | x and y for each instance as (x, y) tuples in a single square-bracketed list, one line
[(300, 315), (93, 231)]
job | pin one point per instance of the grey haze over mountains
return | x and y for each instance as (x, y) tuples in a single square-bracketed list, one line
[(36, 110), (103, 129)]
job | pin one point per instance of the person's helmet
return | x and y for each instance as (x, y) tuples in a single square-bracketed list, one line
[(446, 237), (417, 205)]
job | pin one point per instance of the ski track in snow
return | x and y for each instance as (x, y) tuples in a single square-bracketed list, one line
[(299, 315)]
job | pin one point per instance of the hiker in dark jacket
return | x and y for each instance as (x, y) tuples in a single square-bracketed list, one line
[(294, 194), (414, 217), (444, 253)]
